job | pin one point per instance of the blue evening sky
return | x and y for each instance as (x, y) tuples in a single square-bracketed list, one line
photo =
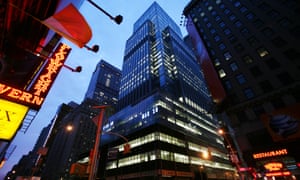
[(71, 86)]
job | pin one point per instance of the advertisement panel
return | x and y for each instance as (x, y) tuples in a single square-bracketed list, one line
[(283, 124), (32, 88), (11, 117), (212, 78)]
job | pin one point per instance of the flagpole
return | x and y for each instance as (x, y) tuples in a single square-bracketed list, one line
[(118, 19), (94, 48)]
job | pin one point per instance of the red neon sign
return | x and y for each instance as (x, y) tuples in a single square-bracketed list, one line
[(20, 96), (35, 96), (56, 62), (274, 166), (281, 173), (270, 154)]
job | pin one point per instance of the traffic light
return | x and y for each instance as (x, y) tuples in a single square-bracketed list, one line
[(126, 148)]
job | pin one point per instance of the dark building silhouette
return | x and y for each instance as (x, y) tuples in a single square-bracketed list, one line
[(253, 49), (68, 147), (25, 45), (29, 165), (163, 110), (105, 83)]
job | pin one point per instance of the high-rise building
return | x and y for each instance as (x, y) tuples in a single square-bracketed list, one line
[(29, 165), (105, 83), (253, 49), (67, 147), (163, 111)]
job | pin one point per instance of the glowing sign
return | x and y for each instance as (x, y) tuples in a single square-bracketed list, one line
[(18, 95), (11, 117), (56, 62), (270, 154), (34, 97), (283, 173), (273, 166)]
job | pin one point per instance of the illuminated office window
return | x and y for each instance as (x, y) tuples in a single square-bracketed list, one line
[(222, 73), (262, 52)]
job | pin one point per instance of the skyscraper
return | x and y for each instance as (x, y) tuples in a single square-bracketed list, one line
[(63, 147), (68, 147), (163, 109), (104, 84), (253, 47)]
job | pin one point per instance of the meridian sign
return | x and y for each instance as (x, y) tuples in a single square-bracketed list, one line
[(36, 94)]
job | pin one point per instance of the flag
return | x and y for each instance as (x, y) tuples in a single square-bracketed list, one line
[(70, 24)]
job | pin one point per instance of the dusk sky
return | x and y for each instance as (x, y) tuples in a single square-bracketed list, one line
[(111, 38)]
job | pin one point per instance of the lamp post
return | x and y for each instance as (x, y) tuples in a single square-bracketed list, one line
[(95, 158), (233, 155)]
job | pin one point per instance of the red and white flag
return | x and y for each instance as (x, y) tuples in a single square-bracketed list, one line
[(70, 24)]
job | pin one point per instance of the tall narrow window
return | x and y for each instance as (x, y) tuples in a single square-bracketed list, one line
[(233, 66), (248, 59), (249, 93), (227, 56), (222, 73)]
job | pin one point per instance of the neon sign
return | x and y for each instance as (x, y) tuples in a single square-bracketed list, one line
[(273, 166), (284, 173), (270, 154), (56, 62), (18, 95), (35, 96)]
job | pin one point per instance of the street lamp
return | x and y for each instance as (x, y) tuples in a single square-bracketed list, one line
[(233, 156), (95, 158)]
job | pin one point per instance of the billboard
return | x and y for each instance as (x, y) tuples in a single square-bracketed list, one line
[(284, 123), (11, 117), (212, 78), (29, 86)]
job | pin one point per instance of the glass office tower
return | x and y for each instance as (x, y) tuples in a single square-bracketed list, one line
[(163, 110), (104, 84)]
